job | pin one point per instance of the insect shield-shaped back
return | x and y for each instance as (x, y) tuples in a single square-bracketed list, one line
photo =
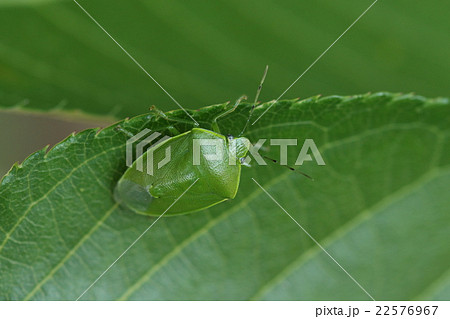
[(200, 154)]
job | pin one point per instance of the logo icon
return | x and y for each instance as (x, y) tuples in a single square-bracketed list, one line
[(142, 147)]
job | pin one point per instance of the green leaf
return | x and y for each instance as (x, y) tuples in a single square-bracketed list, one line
[(379, 206), (203, 52)]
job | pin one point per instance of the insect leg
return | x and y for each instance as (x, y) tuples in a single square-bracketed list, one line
[(173, 130), (244, 163), (158, 112), (163, 115), (121, 129), (214, 124)]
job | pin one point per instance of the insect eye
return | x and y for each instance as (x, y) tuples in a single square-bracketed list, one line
[(230, 137)]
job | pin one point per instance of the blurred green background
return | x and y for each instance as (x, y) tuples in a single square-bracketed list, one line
[(52, 57)]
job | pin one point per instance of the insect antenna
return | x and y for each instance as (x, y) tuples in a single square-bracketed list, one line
[(258, 91), (288, 167)]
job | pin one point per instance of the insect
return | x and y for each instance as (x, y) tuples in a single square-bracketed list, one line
[(218, 180)]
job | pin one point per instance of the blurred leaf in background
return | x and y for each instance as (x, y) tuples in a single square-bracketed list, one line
[(205, 52), (24, 132)]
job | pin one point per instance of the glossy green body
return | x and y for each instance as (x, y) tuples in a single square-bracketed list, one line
[(217, 180)]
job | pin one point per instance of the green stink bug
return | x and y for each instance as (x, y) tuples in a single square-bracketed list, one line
[(217, 180)]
